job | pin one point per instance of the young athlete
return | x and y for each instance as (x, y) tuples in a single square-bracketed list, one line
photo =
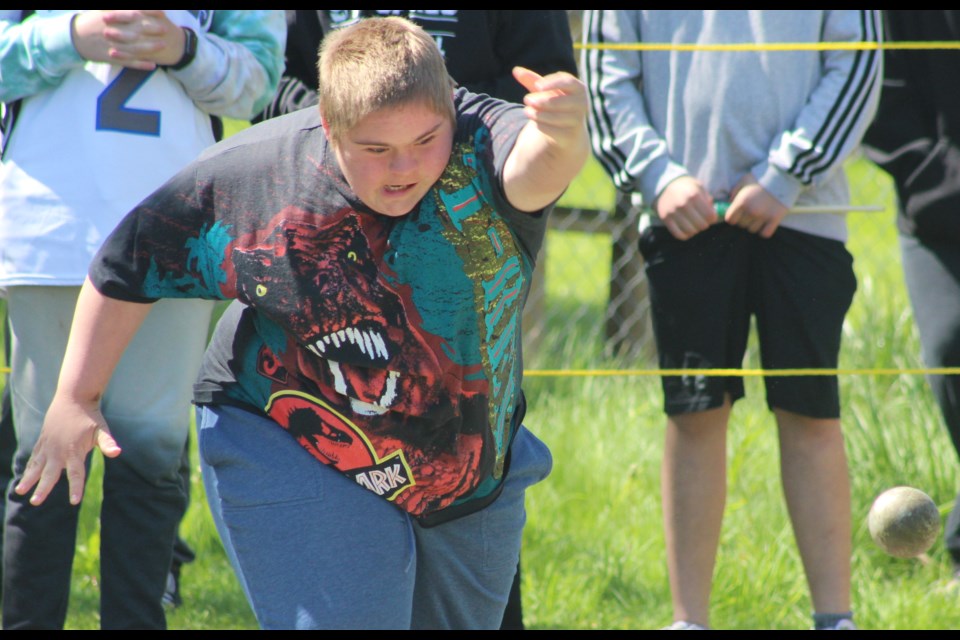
[(360, 416), (481, 47)]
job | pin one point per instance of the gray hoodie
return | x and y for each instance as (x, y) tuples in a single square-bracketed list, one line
[(790, 117)]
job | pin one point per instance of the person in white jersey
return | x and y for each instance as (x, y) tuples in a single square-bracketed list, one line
[(101, 108)]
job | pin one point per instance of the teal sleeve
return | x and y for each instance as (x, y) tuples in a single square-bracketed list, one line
[(238, 64), (35, 54)]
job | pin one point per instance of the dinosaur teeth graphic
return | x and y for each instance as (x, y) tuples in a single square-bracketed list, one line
[(353, 345), (367, 344), (387, 397), (339, 382), (366, 409), (380, 345), (386, 401)]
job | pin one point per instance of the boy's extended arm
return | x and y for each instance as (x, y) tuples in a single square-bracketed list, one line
[(552, 147), (102, 329)]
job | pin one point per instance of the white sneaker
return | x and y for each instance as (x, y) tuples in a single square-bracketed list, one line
[(683, 625), (845, 624)]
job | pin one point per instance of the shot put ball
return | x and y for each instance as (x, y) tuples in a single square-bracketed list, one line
[(904, 522)]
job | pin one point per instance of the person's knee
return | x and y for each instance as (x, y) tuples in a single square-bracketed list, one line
[(155, 454), (702, 425), (801, 433)]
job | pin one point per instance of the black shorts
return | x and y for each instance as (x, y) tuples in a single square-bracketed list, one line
[(703, 292)]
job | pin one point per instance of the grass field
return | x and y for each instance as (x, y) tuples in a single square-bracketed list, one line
[(593, 548), (593, 554)]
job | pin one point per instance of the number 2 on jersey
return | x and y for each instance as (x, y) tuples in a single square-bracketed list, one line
[(113, 114)]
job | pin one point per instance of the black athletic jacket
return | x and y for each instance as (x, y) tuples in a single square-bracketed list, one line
[(480, 47), (916, 134)]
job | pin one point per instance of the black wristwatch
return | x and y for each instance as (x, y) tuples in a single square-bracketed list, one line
[(189, 50)]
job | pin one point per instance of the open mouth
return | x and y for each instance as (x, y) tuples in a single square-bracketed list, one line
[(371, 388), (388, 391)]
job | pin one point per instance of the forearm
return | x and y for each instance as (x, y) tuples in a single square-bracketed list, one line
[(102, 328), (548, 164), (835, 116), (238, 64), (73, 425), (553, 146), (35, 55)]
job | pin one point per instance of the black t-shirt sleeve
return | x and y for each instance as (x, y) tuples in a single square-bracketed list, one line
[(163, 248)]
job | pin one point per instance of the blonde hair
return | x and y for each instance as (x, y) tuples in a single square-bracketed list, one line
[(377, 63)]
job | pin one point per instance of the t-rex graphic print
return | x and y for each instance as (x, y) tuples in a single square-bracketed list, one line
[(317, 277), (403, 336), (387, 347), (367, 375)]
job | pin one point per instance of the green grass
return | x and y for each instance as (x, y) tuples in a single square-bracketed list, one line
[(593, 547), (593, 553)]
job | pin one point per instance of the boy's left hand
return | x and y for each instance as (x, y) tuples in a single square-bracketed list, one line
[(557, 103), (553, 145)]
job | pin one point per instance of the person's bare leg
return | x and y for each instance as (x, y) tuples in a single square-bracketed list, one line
[(816, 485), (694, 478)]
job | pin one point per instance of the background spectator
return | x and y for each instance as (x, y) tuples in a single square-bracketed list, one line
[(764, 131), (102, 107)]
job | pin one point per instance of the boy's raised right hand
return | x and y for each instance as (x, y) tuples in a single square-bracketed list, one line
[(557, 102), (553, 146)]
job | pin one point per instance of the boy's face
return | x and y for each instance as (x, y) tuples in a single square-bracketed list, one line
[(393, 156)]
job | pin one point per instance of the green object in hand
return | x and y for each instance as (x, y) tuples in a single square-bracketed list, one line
[(721, 208)]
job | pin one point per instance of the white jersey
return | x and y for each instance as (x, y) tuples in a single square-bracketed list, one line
[(84, 153)]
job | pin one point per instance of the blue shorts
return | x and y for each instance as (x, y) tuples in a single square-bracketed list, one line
[(314, 550), (704, 292)]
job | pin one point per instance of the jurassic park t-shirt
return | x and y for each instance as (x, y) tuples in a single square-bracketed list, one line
[(389, 348)]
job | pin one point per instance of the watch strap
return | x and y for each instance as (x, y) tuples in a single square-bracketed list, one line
[(189, 50)]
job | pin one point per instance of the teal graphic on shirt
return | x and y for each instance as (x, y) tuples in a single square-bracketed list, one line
[(460, 247)]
